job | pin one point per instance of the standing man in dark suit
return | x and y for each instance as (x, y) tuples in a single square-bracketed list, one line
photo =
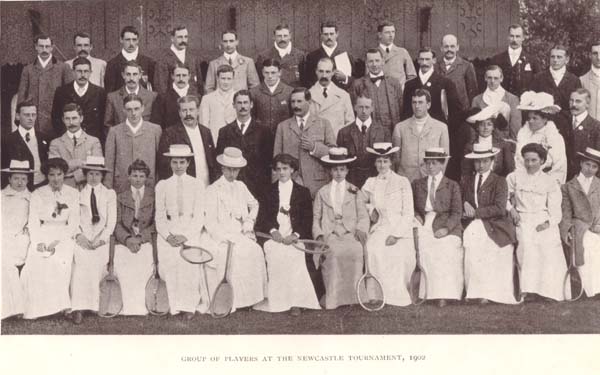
[(272, 98), (444, 99), (559, 83), (585, 130), (290, 58), (165, 111), (178, 53), (329, 48), (89, 97), (460, 71), (129, 52), (26, 143), (203, 165), (518, 66), (359, 135), (255, 141)]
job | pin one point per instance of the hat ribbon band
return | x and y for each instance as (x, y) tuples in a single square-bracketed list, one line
[(338, 157), (382, 150), (484, 152), (435, 154)]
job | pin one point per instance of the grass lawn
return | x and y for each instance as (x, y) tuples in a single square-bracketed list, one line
[(530, 318)]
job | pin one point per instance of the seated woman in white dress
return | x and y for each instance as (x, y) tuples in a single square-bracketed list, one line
[(535, 208), (438, 210), (341, 220), (391, 248), (98, 215), (231, 212), (180, 220), (53, 223), (133, 233), (15, 236), (286, 213), (539, 108), (581, 210), (489, 236)]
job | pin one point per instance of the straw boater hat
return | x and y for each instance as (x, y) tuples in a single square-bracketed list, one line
[(538, 101), (94, 163), (490, 112), (18, 166), (232, 158), (382, 148), (480, 152), (179, 151), (590, 154), (338, 155), (436, 153)]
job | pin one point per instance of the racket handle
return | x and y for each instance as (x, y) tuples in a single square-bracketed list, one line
[(416, 238)]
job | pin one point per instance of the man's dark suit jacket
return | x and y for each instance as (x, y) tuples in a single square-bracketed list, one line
[(310, 67), (165, 110), (434, 85), (176, 134), (113, 80), (165, 65), (257, 148), (15, 148), (92, 104), (292, 65), (587, 134), (517, 78)]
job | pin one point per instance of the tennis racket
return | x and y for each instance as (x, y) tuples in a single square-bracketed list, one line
[(310, 246), (572, 281), (369, 290), (222, 300), (111, 299), (418, 279), (157, 298), (516, 280), (195, 254)]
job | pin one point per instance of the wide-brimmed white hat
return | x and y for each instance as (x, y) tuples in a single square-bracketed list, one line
[(338, 155), (94, 163), (18, 166), (382, 148), (179, 151), (232, 157), (490, 112), (590, 154), (538, 101), (481, 151), (436, 153)]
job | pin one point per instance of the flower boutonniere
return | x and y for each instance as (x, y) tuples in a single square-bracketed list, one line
[(519, 61), (428, 84), (241, 61), (58, 209), (352, 190)]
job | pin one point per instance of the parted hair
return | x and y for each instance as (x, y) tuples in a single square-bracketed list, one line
[(82, 34), (131, 97), (188, 99), (69, 107), (422, 92), (129, 29), (225, 69), (179, 65), (82, 61), (536, 148), (139, 165), (132, 63), (54, 163), (286, 159), (385, 23), (302, 90)]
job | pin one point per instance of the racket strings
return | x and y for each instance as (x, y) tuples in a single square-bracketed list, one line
[(222, 301), (370, 293)]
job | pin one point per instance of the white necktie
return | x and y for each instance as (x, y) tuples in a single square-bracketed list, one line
[(337, 204), (180, 196), (138, 201)]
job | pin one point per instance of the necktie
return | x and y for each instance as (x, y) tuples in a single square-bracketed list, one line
[(74, 141), (574, 122), (363, 129), (230, 61), (179, 196), (242, 127), (387, 49), (375, 79), (325, 92), (479, 182), (338, 198), (432, 191), (301, 124), (138, 201), (27, 137), (94, 204)]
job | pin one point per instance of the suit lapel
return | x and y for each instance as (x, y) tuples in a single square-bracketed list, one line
[(293, 124)]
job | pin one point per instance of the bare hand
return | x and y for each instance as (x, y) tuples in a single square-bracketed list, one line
[(290, 239), (83, 242), (277, 237), (52, 246), (543, 226), (469, 210), (41, 247), (307, 143), (440, 233), (173, 240), (360, 236), (374, 216), (320, 238), (133, 244), (339, 75), (391, 241), (569, 238), (516, 218)]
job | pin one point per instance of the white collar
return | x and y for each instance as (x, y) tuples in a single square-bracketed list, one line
[(585, 182), (285, 185), (246, 123), (493, 96), (485, 175), (179, 53), (484, 140), (130, 56), (328, 51), (449, 62), (367, 123), (274, 87), (79, 89), (384, 47), (44, 63), (515, 52), (425, 76), (137, 90), (580, 117), (421, 121), (24, 131), (232, 56), (181, 92), (135, 128), (438, 177), (371, 75), (133, 190), (595, 70), (334, 184), (558, 74), (77, 134), (305, 118), (285, 51)]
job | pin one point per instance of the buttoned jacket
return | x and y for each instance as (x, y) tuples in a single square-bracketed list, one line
[(115, 110), (393, 93), (15, 148), (98, 70), (126, 216), (462, 74), (168, 60), (92, 105), (113, 78), (165, 110), (336, 107), (292, 65), (447, 204), (398, 64), (245, 76), (436, 85), (354, 211), (591, 82), (75, 156), (271, 108)]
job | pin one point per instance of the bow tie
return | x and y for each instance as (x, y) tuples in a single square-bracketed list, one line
[(284, 211), (375, 79), (382, 177)]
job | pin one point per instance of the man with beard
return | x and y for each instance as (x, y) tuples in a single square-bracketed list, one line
[(290, 58), (83, 48), (591, 81), (40, 80), (90, 98), (115, 111), (255, 141), (397, 60), (271, 98), (165, 110), (329, 101), (74, 146), (179, 53)]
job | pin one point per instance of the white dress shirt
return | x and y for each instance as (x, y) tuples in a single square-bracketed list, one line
[(449, 63), (199, 155), (246, 124), (130, 56), (232, 56), (491, 97), (333, 195), (486, 141), (438, 179), (181, 92), (360, 124), (585, 182), (578, 119), (329, 51), (378, 82), (179, 53), (424, 77), (80, 91), (514, 55), (136, 91), (285, 51), (134, 128), (485, 176), (44, 63), (274, 87), (557, 75), (285, 195)]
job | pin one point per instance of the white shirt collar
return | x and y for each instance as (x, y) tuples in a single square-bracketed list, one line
[(558, 75), (515, 52), (233, 56), (285, 51), (334, 184), (493, 96), (449, 62), (135, 128), (44, 63), (485, 175), (239, 124), (305, 118), (77, 134), (285, 186), (24, 131), (371, 75), (181, 92), (585, 182), (487, 141), (130, 56), (383, 47), (137, 90), (179, 53), (274, 87), (425, 77), (133, 190), (438, 178), (595, 70), (81, 91), (329, 51), (367, 123), (580, 117)]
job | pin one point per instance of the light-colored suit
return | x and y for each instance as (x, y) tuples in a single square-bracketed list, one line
[(354, 211), (398, 64), (75, 156), (591, 82), (115, 111), (311, 174), (413, 145), (336, 107), (98, 69), (245, 76), (216, 111), (123, 147), (514, 121)]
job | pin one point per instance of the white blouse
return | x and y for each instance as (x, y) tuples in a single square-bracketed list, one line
[(44, 211), (106, 201), (537, 193)]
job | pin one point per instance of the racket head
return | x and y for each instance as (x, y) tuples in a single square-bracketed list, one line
[(312, 246), (111, 299), (195, 254), (418, 282), (519, 296), (157, 299), (221, 303), (369, 293), (572, 285)]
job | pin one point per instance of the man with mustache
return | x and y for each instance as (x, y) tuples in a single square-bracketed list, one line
[(83, 47), (39, 81), (74, 146), (591, 80), (585, 130), (397, 60), (328, 100), (291, 59), (165, 110), (245, 76), (115, 111), (89, 97), (113, 80), (130, 140), (518, 66), (179, 53), (254, 139)]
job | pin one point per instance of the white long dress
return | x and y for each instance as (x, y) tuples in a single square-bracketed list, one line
[(590, 270), (89, 266), (231, 209), (15, 241), (46, 280), (540, 254), (391, 196)]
